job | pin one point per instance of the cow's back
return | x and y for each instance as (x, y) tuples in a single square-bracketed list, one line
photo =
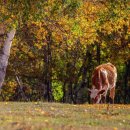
[(102, 74), (111, 73)]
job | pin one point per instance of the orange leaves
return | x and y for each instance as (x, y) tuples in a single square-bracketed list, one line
[(41, 112), (40, 34), (115, 128), (90, 7), (38, 30), (58, 37)]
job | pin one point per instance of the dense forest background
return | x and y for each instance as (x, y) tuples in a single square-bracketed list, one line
[(57, 45)]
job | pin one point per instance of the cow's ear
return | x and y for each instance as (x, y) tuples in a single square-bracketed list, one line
[(101, 91), (89, 90)]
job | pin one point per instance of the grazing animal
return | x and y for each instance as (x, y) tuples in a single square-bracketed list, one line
[(103, 79)]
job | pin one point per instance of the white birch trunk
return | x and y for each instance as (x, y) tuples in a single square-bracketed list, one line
[(4, 55)]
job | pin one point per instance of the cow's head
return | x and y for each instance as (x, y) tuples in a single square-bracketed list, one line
[(95, 94)]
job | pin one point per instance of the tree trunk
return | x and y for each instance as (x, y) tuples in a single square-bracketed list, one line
[(20, 89), (126, 77), (82, 72), (48, 68), (98, 54), (4, 56), (64, 92)]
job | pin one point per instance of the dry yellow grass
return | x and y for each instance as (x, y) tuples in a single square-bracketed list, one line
[(56, 116)]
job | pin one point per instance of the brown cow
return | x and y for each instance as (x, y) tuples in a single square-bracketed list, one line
[(103, 79)]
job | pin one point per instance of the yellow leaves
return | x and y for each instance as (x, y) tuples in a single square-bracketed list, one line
[(52, 108), (7, 18), (46, 121), (63, 20), (9, 88), (31, 55), (115, 128), (11, 84), (88, 7), (8, 21), (6, 103), (38, 30), (129, 45), (2, 9), (57, 36), (14, 50), (36, 23), (41, 34), (25, 49), (38, 45), (36, 103), (50, 2), (41, 112)]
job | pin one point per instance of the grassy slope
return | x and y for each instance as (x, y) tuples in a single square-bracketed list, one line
[(54, 116)]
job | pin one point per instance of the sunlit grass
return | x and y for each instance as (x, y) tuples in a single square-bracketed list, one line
[(56, 116)]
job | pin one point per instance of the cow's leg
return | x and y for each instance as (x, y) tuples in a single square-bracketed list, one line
[(105, 84), (112, 95), (104, 96), (103, 99)]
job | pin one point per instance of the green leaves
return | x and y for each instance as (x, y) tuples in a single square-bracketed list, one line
[(57, 90)]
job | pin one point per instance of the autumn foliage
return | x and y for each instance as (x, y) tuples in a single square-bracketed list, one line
[(58, 44)]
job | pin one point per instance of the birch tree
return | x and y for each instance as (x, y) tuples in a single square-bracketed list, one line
[(5, 53)]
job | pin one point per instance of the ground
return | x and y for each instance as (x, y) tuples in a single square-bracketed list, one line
[(56, 116)]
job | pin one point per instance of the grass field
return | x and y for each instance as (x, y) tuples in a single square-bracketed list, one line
[(55, 116)]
